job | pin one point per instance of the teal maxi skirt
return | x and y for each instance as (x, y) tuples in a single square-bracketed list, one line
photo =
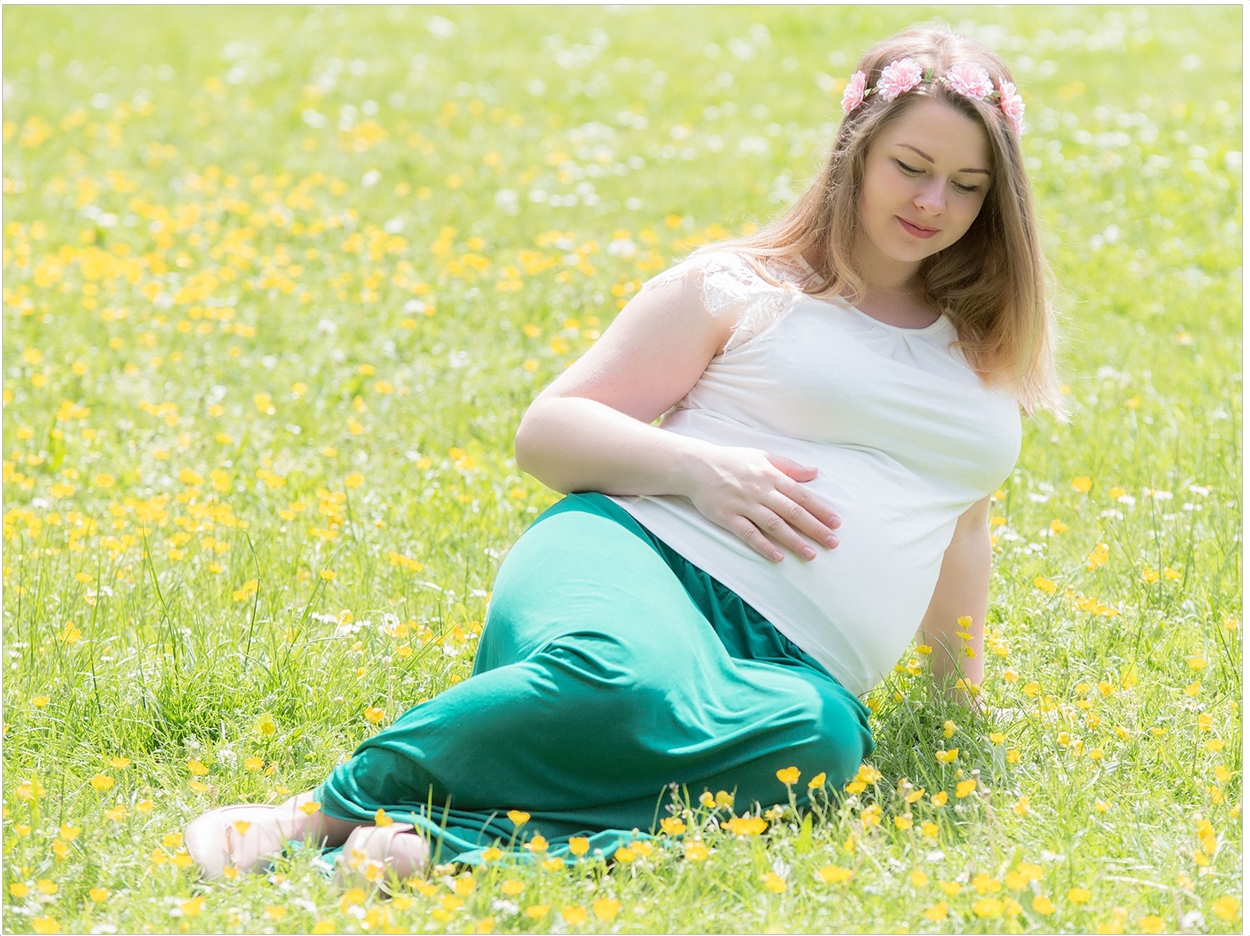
[(610, 675)]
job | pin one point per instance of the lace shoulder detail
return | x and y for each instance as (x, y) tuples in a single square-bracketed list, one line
[(732, 289)]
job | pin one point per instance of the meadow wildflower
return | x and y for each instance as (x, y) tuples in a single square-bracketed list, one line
[(789, 776), (574, 916), (833, 874), (695, 851), (606, 908)]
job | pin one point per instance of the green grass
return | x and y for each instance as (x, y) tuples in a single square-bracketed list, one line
[(270, 312)]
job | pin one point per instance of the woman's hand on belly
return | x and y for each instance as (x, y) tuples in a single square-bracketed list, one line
[(761, 499)]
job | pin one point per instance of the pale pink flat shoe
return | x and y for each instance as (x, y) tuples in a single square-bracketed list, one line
[(372, 853), (244, 837)]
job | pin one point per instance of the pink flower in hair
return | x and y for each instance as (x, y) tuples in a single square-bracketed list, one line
[(1012, 105), (853, 96), (899, 78), (971, 80)]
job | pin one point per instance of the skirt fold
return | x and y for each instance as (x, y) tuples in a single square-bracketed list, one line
[(609, 670)]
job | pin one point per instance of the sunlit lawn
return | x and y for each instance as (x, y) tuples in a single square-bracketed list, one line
[(278, 284)]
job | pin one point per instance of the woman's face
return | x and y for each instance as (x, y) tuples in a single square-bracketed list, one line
[(926, 176)]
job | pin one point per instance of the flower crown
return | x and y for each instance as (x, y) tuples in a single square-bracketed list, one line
[(967, 78)]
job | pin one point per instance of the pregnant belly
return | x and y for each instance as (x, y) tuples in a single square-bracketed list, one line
[(863, 599)]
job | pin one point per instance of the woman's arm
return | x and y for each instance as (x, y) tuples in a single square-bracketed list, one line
[(962, 591), (591, 430)]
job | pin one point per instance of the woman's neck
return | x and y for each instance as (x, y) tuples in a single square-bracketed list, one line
[(898, 301), (904, 306)]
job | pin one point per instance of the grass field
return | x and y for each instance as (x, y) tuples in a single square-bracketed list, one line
[(278, 284)]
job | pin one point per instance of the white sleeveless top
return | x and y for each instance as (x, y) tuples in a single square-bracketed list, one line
[(903, 433)]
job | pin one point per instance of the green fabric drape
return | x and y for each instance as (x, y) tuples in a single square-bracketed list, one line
[(609, 669)]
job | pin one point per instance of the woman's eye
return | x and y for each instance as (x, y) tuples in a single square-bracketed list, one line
[(910, 170), (966, 189)]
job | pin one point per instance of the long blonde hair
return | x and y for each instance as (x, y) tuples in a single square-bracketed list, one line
[(992, 283)]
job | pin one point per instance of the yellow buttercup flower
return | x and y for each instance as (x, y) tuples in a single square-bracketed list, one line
[(1227, 908), (988, 907), (672, 826), (774, 882), (695, 851), (606, 908), (746, 825), (574, 916), (832, 874)]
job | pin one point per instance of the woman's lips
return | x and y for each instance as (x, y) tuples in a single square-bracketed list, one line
[(916, 230)]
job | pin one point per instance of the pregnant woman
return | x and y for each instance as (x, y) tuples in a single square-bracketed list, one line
[(840, 393)]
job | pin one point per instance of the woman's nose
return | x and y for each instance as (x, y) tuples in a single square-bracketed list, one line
[(932, 196)]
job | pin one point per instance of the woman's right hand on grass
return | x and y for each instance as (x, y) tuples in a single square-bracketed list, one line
[(762, 499)]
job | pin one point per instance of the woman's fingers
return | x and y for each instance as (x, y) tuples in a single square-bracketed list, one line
[(765, 530), (749, 533), (802, 495), (792, 468), (764, 500), (807, 514)]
